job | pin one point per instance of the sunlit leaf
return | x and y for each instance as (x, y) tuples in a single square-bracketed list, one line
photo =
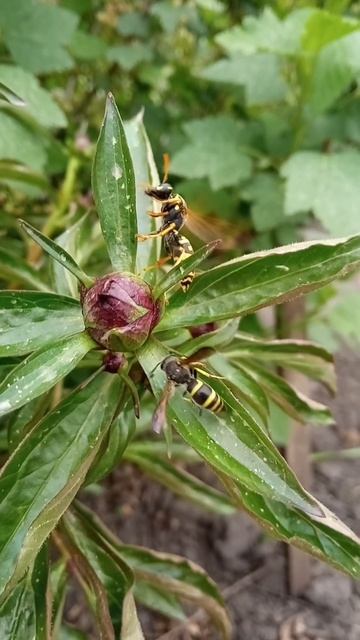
[(113, 182), (326, 538), (289, 399), (180, 481), (58, 253), (44, 473), (31, 320), (37, 34), (301, 355), (257, 280), (174, 276), (170, 572), (41, 371), (39, 104), (145, 174), (232, 441)]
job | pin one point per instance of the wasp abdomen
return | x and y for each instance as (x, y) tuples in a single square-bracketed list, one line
[(204, 396)]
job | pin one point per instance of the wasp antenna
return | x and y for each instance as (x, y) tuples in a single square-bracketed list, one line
[(166, 166)]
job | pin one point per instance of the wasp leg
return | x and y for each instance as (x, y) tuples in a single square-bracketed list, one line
[(158, 263), (156, 234), (155, 214)]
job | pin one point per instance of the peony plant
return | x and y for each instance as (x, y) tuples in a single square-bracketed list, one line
[(73, 348)]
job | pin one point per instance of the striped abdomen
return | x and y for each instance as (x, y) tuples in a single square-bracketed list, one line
[(181, 249), (203, 395)]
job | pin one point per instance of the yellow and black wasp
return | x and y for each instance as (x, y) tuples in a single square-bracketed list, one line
[(174, 212), (183, 371)]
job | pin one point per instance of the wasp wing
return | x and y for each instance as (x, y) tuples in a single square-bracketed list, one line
[(159, 417), (209, 227)]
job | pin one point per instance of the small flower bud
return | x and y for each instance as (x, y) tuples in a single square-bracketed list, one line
[(120, 311), (113, 362)]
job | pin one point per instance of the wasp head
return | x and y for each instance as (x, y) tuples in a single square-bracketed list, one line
[(175, 371), (163, 191)]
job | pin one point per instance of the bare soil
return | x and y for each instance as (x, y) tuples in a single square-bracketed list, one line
[(249, 566)]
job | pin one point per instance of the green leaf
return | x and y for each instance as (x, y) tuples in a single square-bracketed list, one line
[(145, 174), (260, 74), (174, 276), (18, 143), (232, 441), (340, 454), (87, 47), (323, 27), (57, 252), (327, 184), (214, 151), (113, 573), (42, 476), (344, 316), (267, 196), (15, 626), (42, 600), (243, 386), (113, 182), (266, 32), (41, 371), (170, 572), (179, 450), (278, 502), (114, 445), (180, 482), (159, 600), (37, 34), (14, 268), (79, 240), (30, 320), (24, 419), (335, 68), (129, 57), (301, 355), (326, 538), (58, 587), (24, 613), (261, 279), (133, 23), (293, 402), (180, 577), (16, 172), (10, 96), (39, 104), (216, 339)]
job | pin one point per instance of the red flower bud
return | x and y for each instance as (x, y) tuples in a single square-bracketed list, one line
[(120, 312)]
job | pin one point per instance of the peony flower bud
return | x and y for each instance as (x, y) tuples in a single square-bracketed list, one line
[(120, 311)]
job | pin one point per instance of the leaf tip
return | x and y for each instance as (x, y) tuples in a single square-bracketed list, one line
[(110, 102)]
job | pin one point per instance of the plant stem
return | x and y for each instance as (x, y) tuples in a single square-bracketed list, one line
[(61, 205)]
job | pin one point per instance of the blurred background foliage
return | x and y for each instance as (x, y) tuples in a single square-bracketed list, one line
[(257, 103)]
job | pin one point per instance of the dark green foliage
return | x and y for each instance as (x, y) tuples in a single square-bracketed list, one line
[(261, 118)]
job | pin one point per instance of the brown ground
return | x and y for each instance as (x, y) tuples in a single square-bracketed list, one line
[(232, 548)]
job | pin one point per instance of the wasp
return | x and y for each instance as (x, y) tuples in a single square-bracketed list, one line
[(174, 212), (173, 207), (183, 371)]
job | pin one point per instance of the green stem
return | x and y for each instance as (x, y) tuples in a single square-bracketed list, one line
[(64, 197)]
